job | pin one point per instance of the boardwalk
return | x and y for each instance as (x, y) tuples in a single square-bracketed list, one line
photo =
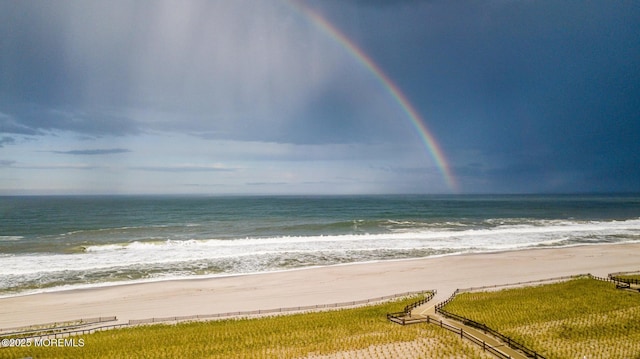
[(428, 310)]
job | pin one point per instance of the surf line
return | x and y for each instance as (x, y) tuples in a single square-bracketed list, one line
[(418, 123)]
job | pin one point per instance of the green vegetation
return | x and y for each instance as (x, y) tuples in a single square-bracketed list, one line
[(363, 331), (573, 319)]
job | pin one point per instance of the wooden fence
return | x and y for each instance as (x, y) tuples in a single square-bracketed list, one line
[(54, 326), (621, 282), (60, 330), (520, 284), (66, 331), (404, 317), (273, 311), (618, 278), (466, 335), (480, 326), (66, 334)]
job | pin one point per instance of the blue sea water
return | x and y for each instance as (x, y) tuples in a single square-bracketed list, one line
[(57, 242)]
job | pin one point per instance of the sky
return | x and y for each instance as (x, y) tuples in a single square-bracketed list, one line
[(319, 97)]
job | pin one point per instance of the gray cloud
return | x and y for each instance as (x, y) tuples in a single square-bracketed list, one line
[(6, 140), (8, 124), (108, 151), (38, 120), (267, 183), (62, 166), (93, 122), (185, 168)]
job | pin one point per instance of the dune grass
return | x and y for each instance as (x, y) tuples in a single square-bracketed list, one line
[(573, 319), (362, 331)]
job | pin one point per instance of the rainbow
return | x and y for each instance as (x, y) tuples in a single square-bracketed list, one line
[(427, 137)]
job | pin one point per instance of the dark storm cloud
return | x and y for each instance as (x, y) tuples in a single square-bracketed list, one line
[(66, 53), (521, 95), (114, 69), (119, 68), (545, 93)]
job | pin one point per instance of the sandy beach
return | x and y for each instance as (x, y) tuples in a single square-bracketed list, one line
[(315, 286)]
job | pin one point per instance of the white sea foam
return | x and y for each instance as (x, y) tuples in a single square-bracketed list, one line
[(504, 236), (11, 238), (500, 237), (244, 255)]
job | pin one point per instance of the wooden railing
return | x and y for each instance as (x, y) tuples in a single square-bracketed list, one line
[(466, 335), (480, 326), (414, 305), (621, 282), (618, 278), (404, 317), (507, 340)]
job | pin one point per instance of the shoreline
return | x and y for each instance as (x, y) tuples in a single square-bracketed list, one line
[(83, 287), (315, 285)]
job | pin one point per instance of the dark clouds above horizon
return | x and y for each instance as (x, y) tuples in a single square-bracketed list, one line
[(251, 97)]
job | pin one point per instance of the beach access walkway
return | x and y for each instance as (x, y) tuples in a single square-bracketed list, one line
[(428, 312)]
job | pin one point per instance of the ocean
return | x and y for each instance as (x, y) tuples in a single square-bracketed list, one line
[(50, 243)]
